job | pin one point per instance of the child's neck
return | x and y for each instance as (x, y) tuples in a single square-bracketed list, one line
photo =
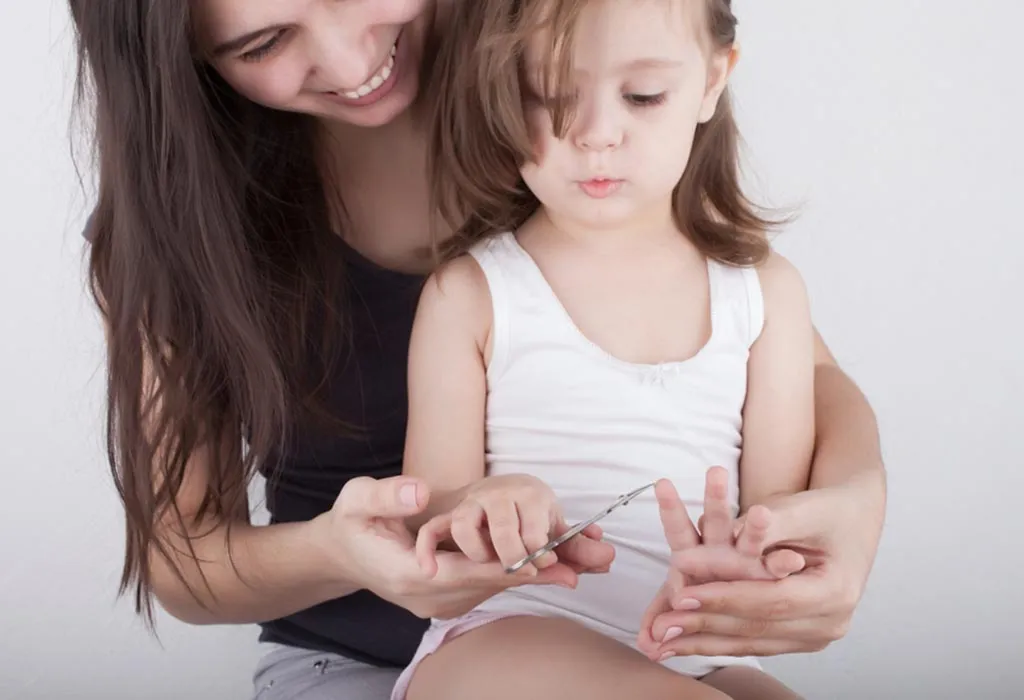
[(654, 228)]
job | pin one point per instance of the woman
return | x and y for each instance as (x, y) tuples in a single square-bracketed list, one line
[(261, 231)]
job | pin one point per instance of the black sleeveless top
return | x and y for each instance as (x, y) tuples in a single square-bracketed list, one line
[(367, 388)]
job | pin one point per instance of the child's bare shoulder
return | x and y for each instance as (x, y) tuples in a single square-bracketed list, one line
[(781, 281), (457, 298)]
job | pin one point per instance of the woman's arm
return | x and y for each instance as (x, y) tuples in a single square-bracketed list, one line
[(362, 542), (225, 570), (847, 447), (239, 573)]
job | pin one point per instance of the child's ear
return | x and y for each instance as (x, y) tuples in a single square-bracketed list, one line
[(719, 70)]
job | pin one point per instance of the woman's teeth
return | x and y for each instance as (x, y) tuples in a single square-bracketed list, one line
[(375, 82)]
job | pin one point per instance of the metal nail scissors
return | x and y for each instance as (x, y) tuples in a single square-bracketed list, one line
[(577, 529)]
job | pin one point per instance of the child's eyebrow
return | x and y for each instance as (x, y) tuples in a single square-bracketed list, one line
[(536, 73), (641, 64), (645, 63)]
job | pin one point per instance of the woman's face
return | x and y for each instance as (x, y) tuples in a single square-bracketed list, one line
[(356, 61)]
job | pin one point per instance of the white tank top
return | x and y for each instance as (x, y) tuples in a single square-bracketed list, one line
[(594, 427)]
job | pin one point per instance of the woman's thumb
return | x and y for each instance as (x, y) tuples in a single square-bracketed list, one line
[(395, 497)]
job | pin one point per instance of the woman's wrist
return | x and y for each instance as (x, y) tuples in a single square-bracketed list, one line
[(333, 572)]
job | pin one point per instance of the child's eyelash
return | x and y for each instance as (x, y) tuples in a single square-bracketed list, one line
[(634, 99), (646, 100), (263, 50)]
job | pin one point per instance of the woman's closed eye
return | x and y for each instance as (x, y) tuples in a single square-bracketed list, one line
[(264, 49)]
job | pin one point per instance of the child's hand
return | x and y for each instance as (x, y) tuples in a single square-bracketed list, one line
[(725, 549), (501, 517)]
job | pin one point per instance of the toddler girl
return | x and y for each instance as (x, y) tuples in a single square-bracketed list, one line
[(611, 315)]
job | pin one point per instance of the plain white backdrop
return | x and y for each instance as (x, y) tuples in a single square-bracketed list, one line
[(897, 126)]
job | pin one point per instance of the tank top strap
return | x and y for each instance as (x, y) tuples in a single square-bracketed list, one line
[(510, 282), (737, 304)]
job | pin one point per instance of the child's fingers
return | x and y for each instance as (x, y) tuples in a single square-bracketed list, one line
[(535, 534), (717, 518), (679, 531), (752, 536), (506, 534)]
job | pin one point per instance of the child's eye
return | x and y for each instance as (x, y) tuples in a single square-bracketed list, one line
[(645, 100), (264, 49)]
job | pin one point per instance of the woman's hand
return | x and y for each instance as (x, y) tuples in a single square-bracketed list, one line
[(364, 539), (500, 518), (800, 613)]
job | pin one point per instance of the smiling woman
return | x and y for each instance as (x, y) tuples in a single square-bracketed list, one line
[(330, 59), (257, 251)]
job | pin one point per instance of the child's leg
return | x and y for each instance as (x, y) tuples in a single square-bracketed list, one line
[(546, 659), (745, 683)]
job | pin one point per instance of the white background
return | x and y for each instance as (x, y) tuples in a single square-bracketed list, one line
[(897, 125)]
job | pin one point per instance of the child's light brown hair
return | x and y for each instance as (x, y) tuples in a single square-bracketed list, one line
[(480, 139)]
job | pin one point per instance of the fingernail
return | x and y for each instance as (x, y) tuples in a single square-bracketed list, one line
[(667, 655), (687, 604), (671, 633), (407, 495)]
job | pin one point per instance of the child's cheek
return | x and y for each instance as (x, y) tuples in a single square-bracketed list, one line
[(538, 124)]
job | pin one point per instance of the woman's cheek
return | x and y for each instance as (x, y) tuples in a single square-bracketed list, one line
[(277, 83)]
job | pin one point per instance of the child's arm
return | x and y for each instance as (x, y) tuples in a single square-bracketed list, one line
[(502, 517), (447, 384), (778, 417)]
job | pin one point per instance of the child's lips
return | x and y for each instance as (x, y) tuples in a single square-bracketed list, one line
[(601, 187)]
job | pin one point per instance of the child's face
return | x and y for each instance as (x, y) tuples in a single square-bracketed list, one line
[(645, 75)]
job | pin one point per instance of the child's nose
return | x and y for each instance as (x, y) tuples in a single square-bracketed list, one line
[(598, 129)]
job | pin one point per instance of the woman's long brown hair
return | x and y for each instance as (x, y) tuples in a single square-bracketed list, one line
[(480, 139), (208, 264)]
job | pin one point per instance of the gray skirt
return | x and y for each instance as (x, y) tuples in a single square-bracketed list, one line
[(289, 673)]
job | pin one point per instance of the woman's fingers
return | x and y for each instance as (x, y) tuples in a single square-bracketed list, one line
[(712, 645), (456, 572), (672, 624), (784, 562), (807, 595), (431, 534), (395, 497), (646, 641), (585, 552), (468, 532)]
